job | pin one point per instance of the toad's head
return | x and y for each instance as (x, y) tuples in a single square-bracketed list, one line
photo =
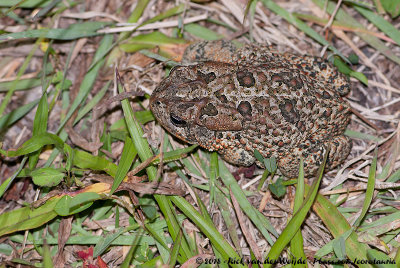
[(184, 103)]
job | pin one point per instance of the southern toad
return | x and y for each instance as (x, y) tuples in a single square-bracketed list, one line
[(234, 101)]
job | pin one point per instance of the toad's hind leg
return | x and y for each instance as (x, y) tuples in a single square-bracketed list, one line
[(339, 149)]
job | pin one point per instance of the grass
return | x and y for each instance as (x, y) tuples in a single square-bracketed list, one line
[(70, 153)]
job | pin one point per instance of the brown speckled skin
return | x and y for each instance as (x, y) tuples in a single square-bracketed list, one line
[(234, 101)]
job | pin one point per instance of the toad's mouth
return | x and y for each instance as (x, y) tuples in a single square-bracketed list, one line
[(184, 133)]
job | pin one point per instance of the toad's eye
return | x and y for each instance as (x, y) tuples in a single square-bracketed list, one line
[(177, 121)]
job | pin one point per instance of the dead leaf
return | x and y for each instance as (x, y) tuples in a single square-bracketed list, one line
[(80, 141), (64, 232)]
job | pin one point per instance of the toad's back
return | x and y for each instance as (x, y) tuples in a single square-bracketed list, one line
[(280, 104)]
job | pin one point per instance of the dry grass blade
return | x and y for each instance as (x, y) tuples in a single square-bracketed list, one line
[(91, 14), (64, 232), (194, 261), (345, 17), (244, 228), (153, 26)]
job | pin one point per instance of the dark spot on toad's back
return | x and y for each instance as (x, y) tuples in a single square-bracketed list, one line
[(288, 110), (244, 109), (245, 78)]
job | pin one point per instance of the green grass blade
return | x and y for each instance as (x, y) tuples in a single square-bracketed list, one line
[(338, 225), (85, 160), (136, 133), (397, 257), (144, 152), (39, 126), (259, 220), (89, 79), (140, 8), (202, 32), (147, 41), (166, 14), (46, 9), (175, 154), (382, 260), (381, 23), (128, 154), (295, 223), (26, 218), (20, 84), (175, 250), (132, 250), (206, 216), (74, 31), (24, 4), (343, 17), (133, 18), (21, 71), (89, 239), (13, 116), (106, 241), (34, 144), (47, 261), (157, 234), (362, 136), (142, 116), (213, 175), (206, 227), (380, 222), (369, 194), (325, 250), (296, 244), (6, 184), (138, 11), (299, 24), (92, 103)]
